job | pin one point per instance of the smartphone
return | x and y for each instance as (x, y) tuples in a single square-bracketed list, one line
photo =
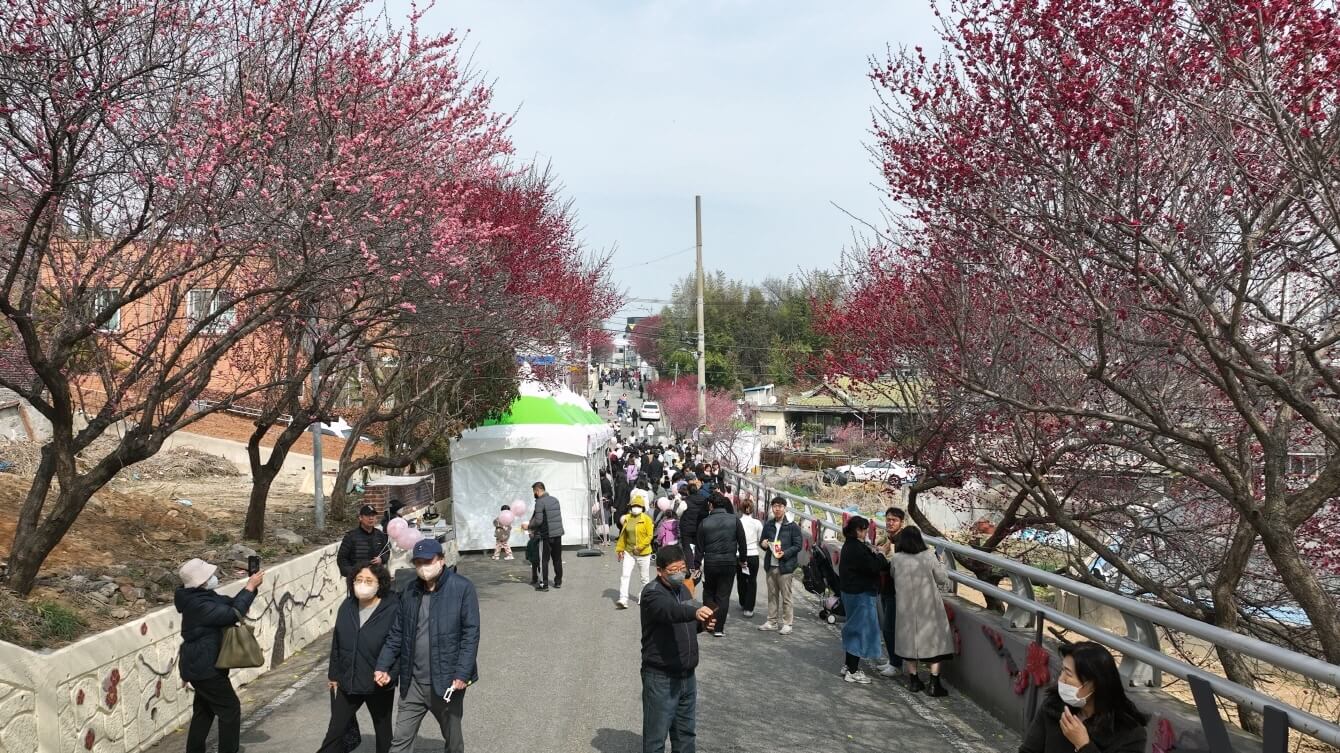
[(253, 564)]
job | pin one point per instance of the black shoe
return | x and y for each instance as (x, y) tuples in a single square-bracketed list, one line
[(935, 689), (542, 587), (557, 584), (914, 684)]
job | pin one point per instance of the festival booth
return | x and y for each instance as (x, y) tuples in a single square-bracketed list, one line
[(550, 436)]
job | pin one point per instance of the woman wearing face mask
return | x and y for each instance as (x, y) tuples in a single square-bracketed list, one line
[(1088, 711), (361, 627), (204, 615)]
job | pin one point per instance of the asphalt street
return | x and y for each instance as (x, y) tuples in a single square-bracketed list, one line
[(559, 674)]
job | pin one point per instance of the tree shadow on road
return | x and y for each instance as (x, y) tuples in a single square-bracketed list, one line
[(616, 741)]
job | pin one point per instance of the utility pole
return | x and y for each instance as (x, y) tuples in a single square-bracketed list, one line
[(702, 344), (317, 472)]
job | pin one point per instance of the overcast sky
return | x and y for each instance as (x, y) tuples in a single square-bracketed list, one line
[(760, 106)]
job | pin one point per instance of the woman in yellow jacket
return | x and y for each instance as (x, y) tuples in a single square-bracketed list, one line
[(634, 547)]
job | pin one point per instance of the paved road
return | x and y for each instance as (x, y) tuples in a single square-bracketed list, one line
[(559, 674)]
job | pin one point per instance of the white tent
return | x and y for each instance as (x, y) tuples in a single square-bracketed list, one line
[(549, 436)]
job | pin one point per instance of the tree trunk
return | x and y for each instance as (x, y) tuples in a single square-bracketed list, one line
[(1301, 579), (30, 549), (262, 477), (264, 474), (1226, 616)]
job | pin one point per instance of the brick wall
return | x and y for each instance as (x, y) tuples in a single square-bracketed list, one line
[(410, 495)]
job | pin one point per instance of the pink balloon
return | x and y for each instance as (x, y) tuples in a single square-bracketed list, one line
[(410, 538), (396, 527), (664, 504), (506, 517), (519, 509), (595, 508)]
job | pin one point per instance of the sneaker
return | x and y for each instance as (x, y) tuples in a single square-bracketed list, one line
[(509, 557), (888, 670), (557, 584), (718, 634), (621, 604), (748, 613), (767, 626), (542, 587), (786, 630), (494, 558), (857, 676)]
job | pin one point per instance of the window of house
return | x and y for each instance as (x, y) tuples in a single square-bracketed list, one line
[(104, 299), (203, 303), (769, 431)]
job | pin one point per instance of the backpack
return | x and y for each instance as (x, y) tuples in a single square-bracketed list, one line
[(667, 533)]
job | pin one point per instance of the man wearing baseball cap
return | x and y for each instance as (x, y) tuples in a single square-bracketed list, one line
[(365, 544), (435, 639)]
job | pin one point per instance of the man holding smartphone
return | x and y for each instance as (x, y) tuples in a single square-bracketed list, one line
[(671, 621)]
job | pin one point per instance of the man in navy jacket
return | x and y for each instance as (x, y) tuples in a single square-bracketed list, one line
[(435, 639)]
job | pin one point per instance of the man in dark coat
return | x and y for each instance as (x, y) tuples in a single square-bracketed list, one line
[(723, 552), (364, 544), (204, 616), (548, 520), (782, 542), (694, 511), (670, 655), (434, 641)]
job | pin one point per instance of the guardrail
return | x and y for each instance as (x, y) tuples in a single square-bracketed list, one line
[(1143, 660)]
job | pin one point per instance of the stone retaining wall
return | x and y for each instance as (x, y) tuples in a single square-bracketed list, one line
[(119, 691)]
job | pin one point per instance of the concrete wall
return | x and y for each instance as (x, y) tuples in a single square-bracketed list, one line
[(119, 691), (19, 422), (983, 673)]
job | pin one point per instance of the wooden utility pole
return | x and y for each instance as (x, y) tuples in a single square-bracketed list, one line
[(702, 345)]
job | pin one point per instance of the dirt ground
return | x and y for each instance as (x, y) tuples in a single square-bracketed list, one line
[(121, 557)]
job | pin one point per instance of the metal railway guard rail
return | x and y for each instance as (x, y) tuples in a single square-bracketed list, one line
[(1143, 661)]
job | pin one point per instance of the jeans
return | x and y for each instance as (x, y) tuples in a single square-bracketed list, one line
[(551, 550), (669, 707), (718, 582), (214, 697), (344, 706), (419, 700), (779, 598), (644, 567), (888, 622), (747, 586)]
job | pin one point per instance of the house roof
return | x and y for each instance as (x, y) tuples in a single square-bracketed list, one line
[(845, 393), (14, 365), (758, 388)]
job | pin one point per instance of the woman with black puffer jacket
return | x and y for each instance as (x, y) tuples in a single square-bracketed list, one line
[(361, 627)]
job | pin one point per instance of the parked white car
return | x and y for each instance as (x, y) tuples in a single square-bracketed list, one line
[(877, 469), (650, 411)]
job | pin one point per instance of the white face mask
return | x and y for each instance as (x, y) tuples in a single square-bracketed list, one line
[(429, 571), (1070, 695), (212, 583), (364, 591)]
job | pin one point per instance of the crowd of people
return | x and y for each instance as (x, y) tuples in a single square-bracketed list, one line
[(405, 656)]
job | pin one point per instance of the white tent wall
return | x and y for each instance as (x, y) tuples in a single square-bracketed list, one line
[(482, 484)]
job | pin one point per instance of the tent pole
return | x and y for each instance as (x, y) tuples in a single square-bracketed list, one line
[(591, 550)]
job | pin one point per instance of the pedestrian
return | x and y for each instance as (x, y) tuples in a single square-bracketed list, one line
[(1088, 710), (724, 553), (366, 543), (634, 548), (859, 567), (695, 509), (637, 416), (781, 542), (888, 593), (393, 508), (922, 634), (501, 535), (361, 626), (204, 616), (667, 528), (548, 521), (434, 642), (748, 579), (671, 621)]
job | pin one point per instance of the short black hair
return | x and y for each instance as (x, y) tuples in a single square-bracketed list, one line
[(538, 485), (910, 541), (669, 555), (854, 524), (720, 501), (383, 577), (896, 512), (778, 501), (506, 507)]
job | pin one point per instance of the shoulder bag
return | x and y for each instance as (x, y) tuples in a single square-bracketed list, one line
[(239, 648)]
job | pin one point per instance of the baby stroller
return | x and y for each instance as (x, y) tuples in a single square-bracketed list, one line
[(821, 579)]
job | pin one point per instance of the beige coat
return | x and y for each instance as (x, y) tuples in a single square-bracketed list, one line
[(923, 630)]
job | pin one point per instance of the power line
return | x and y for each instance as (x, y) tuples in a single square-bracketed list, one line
[(653, 261)]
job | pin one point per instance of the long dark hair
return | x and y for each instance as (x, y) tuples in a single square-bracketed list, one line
[(854, 524), (1111, 707)]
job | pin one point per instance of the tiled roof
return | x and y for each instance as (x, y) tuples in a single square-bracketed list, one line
[(14, 365), (844, 392)]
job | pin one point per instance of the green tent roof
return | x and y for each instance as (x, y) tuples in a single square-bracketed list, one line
[(532, 409)]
